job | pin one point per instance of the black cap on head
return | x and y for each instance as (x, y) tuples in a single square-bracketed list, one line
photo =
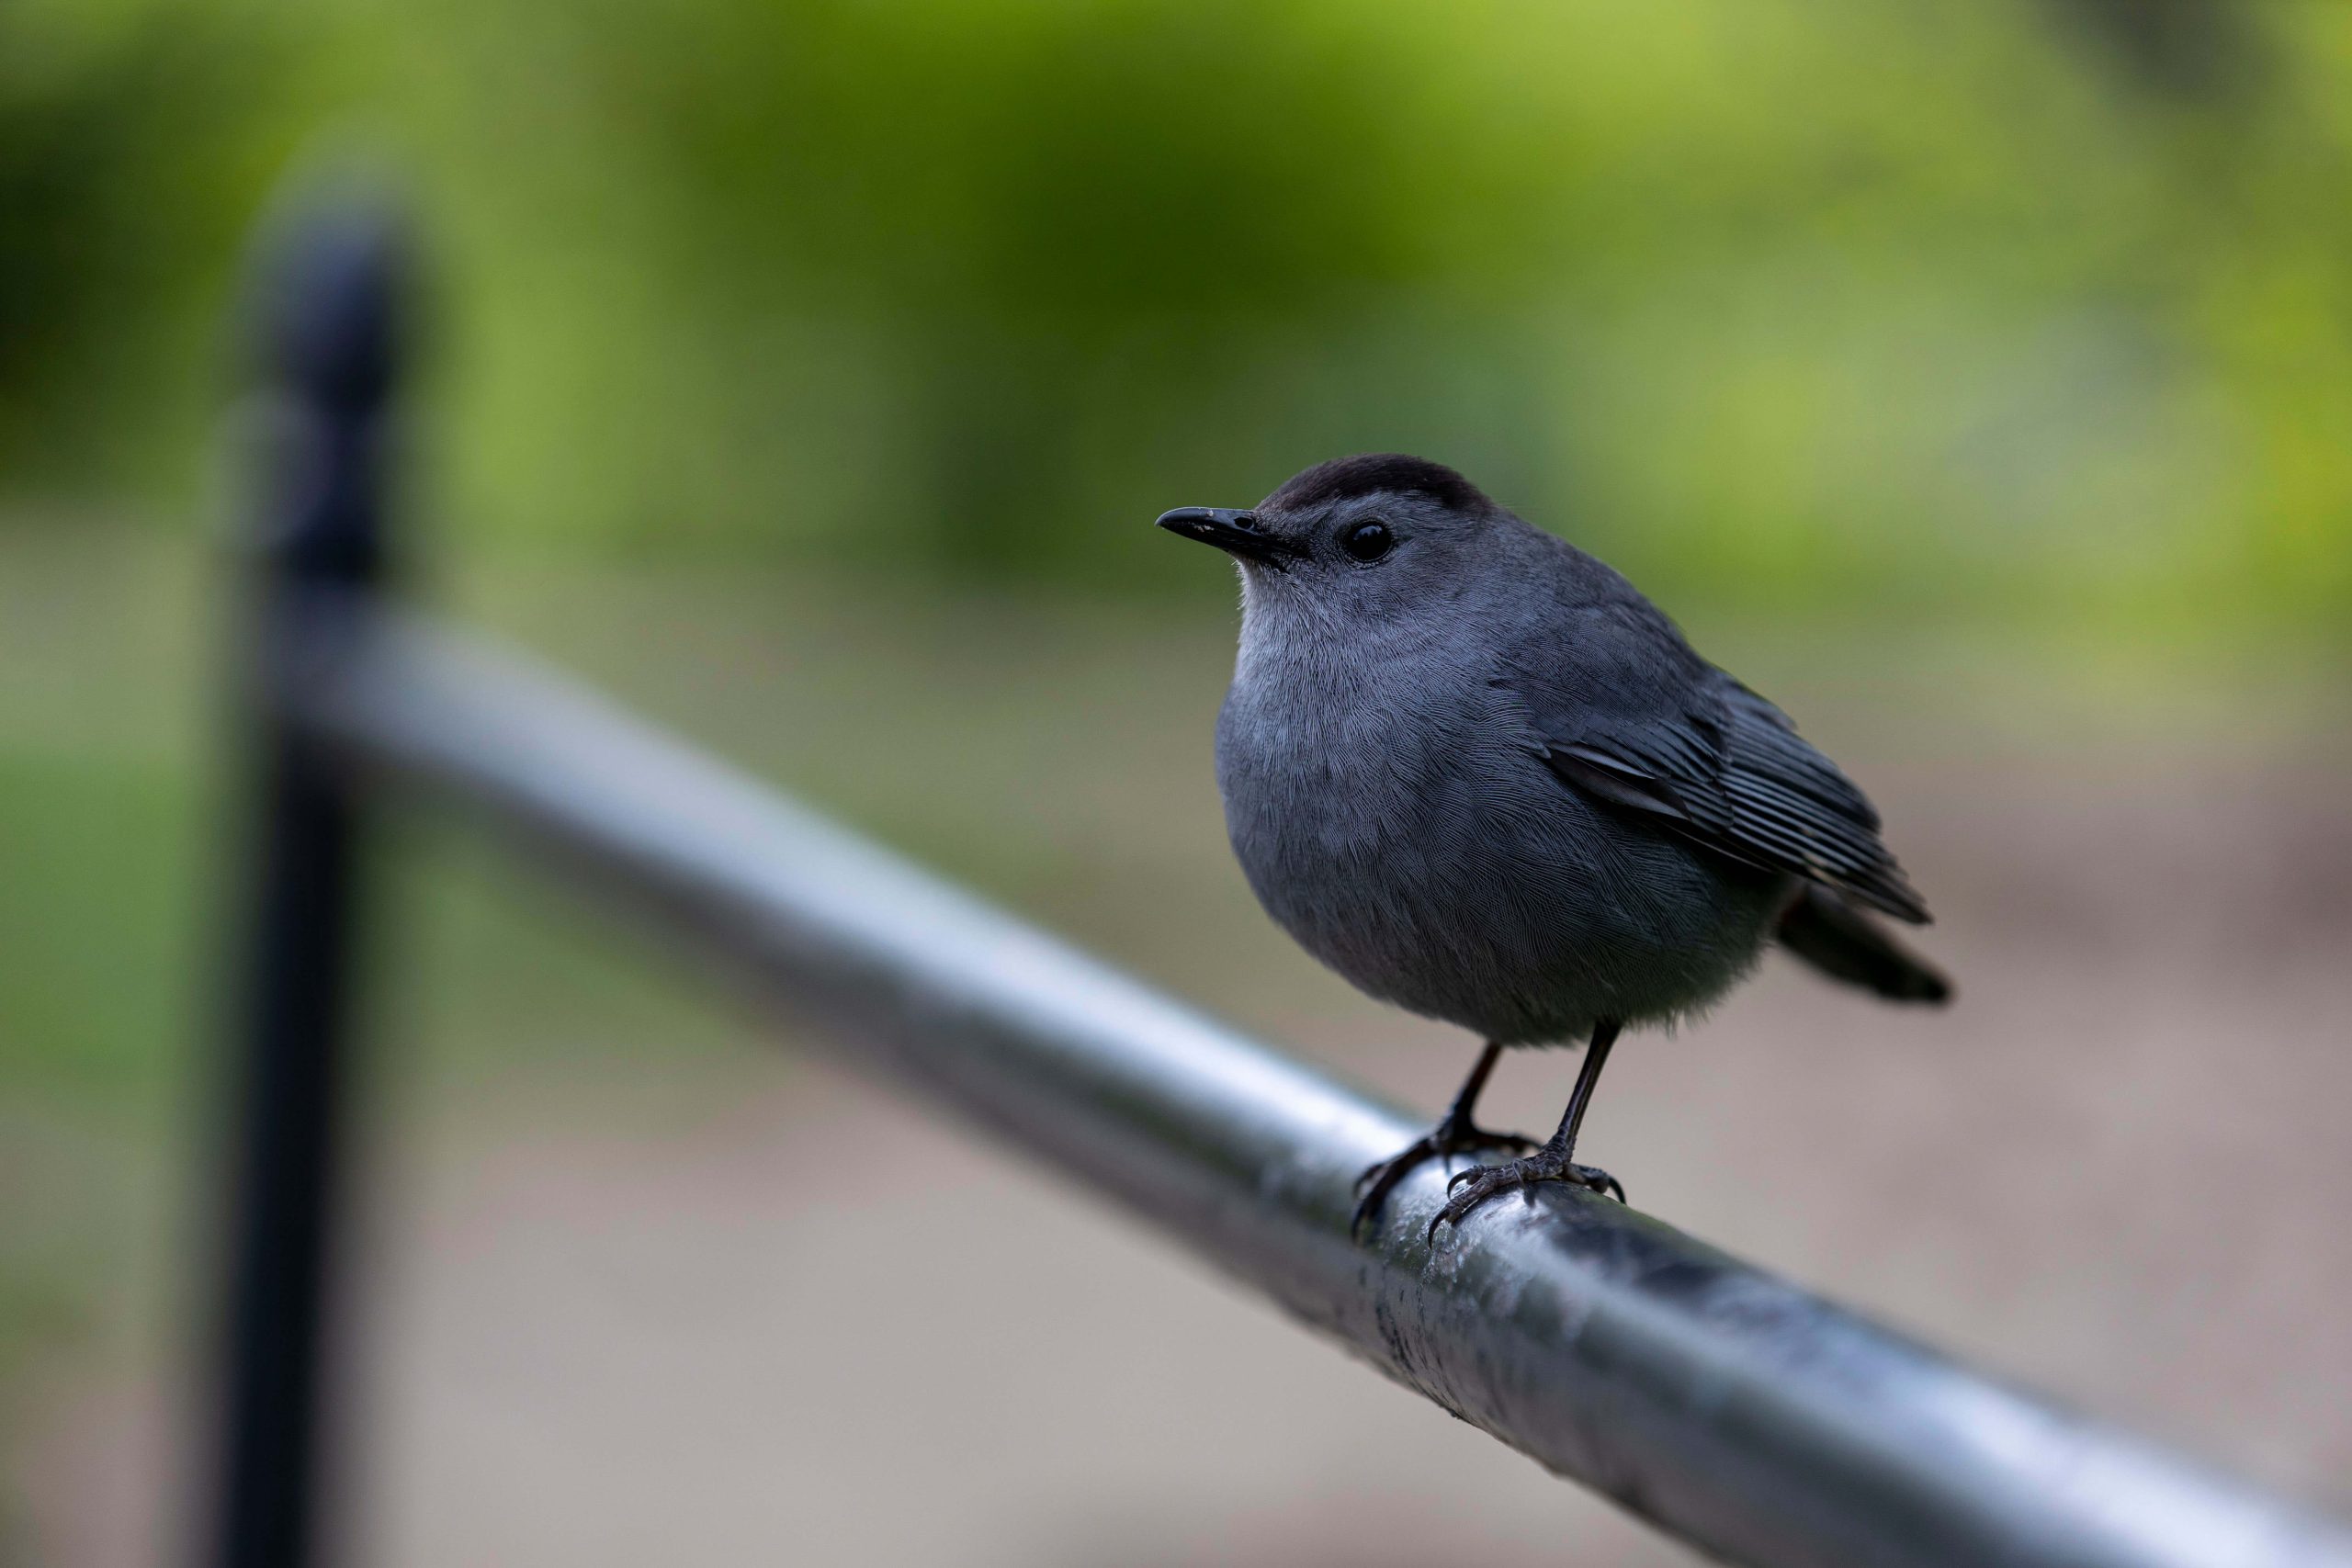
[(1343, 478)]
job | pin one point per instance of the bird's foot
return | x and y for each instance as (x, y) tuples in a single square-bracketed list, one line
[(1545, 1164), (1451, 1136)]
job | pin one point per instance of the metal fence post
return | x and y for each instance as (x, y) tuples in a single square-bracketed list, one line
[(324, 317)]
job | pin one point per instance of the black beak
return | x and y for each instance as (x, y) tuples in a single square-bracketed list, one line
[(1235, 533)]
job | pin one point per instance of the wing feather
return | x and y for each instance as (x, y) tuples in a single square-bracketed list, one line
[(1629, 714)]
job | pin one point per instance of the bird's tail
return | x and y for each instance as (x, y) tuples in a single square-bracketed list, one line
[(1845, 945)]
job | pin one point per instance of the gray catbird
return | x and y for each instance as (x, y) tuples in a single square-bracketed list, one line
[(1473, 769)]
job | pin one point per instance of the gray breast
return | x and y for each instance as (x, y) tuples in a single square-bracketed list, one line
[(1410, 836)]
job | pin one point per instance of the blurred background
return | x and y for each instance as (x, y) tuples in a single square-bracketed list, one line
[(1975, 379)]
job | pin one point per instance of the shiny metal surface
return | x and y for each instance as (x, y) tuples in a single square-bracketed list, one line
[(1734, 1410)]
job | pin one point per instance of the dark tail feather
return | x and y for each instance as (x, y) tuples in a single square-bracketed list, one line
[(1845, 945)]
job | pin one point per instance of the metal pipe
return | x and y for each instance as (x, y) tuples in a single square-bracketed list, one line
[(324, 318), (1727, 1405)]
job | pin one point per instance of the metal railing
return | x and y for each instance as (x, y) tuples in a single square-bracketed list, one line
[(1726, 1406)]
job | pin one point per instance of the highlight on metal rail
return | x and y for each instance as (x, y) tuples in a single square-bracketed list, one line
[(1728, 1406)]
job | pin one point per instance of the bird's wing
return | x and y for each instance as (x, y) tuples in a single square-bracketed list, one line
[(1627, 713)]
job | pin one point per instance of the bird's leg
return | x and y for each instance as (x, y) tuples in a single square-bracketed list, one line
[(1550, 1163), (1456, 1133)]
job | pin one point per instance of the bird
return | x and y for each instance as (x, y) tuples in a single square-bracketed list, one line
[(1473, 769)]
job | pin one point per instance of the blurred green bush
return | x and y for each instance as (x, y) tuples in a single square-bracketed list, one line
[(2039, 306)]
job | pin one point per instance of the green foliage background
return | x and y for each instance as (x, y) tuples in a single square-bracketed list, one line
[(2033, 306)]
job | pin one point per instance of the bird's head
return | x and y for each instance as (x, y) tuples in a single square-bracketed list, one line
[(1367, 538)]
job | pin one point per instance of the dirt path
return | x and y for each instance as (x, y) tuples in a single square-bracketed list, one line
[(666, 1320)]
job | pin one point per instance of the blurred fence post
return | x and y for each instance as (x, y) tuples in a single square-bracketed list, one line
[(324, 315)]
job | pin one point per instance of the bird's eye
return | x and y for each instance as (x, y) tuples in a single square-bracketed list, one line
[(1368, 541)]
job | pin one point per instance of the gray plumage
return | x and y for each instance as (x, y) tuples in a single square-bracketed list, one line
[(1482, 777)]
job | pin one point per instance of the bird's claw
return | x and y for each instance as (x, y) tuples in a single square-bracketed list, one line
[(1381, 1178), (1482, 1182)]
